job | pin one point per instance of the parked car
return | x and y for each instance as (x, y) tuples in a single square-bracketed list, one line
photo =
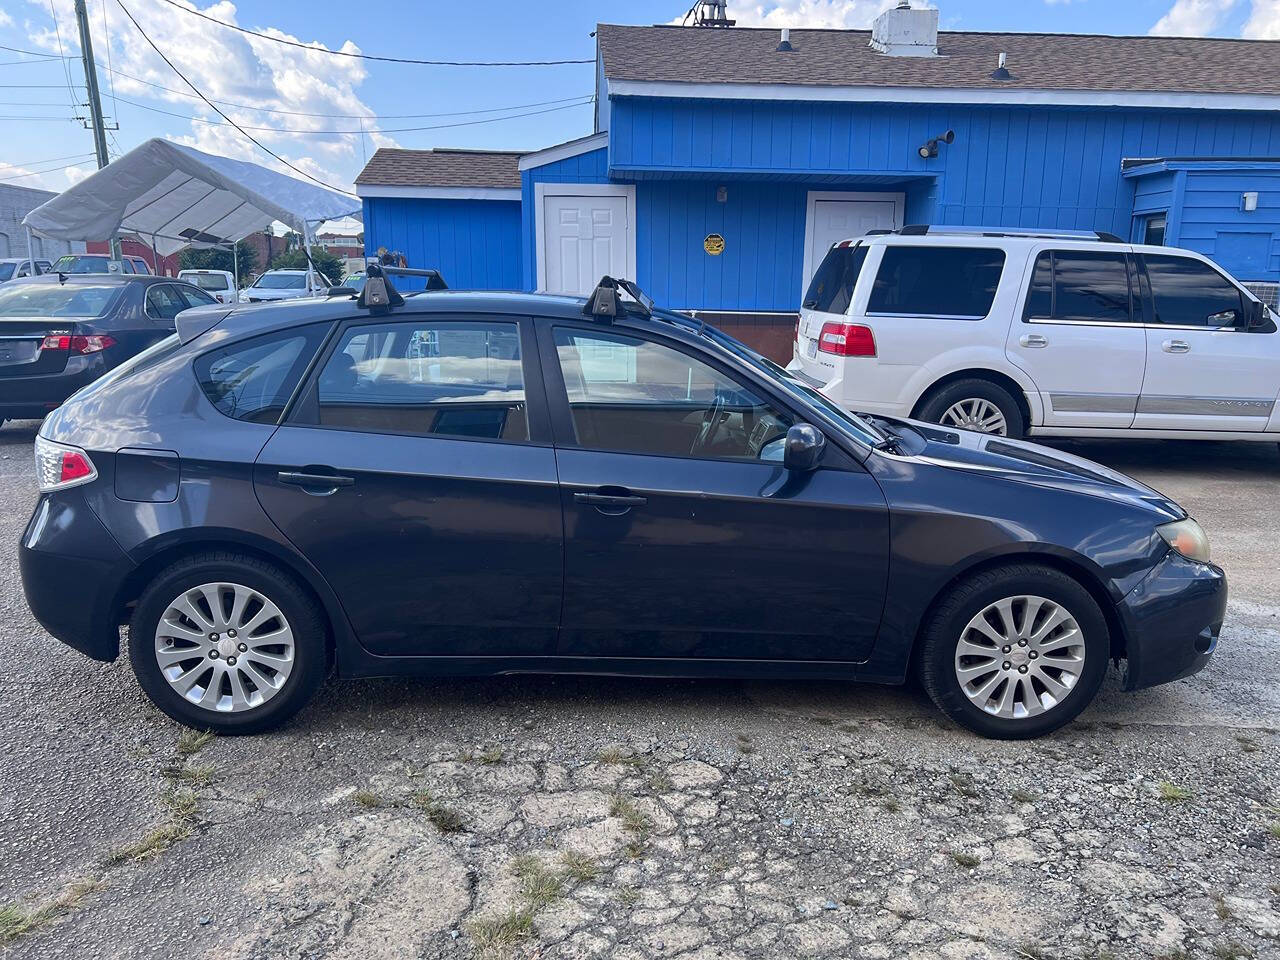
[(219, 284), (1044, 335), (58, 333), (283, 285), (354, 281), (73, 263), (486, 483), (15, 268)]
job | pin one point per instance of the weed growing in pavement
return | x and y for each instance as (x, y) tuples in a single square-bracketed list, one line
[(1030, 950), (635, 821), (659, 782), (17, 921), (1220, 907), (367, 798), (1232, 951), (610, 755), (1172, 793), (1274, 830), (182, 807), (191, 742), (444, 818), (196, 776), (966, 860), (891, 804), (491, 755), (962, 784), (579, 866), (495, 936), (629, 896), (538, 885)]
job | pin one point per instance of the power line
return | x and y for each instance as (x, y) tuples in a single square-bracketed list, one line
[(369, 56), (194, 89), (36, 173), (34, 163), (66, 68), (38, 53)]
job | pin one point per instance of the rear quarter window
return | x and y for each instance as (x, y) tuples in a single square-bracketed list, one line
[(949, 282), (831, 289), (253, 379)]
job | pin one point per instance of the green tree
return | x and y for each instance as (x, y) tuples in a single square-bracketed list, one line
[(219, 258), (328, 264)]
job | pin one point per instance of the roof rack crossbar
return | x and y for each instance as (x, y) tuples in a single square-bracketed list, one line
[(924, 229), (605, 301)]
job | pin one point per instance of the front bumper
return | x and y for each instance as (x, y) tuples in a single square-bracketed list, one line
[(72, 570), (1172, 621)]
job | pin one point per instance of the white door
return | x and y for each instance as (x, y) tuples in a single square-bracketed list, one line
[(585, 238), (831, 221)]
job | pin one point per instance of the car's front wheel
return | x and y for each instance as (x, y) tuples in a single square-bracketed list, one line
[(227, 642), (1015, 652)]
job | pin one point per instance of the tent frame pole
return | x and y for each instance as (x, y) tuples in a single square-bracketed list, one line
[(235, 269), (306, 249), (31, 255)]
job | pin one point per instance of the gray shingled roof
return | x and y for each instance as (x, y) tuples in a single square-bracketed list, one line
[(442, 168), (1038, 61)]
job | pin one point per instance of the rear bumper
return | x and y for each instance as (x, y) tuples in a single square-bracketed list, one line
[(1172, 621), (72, 570), (30, 398)]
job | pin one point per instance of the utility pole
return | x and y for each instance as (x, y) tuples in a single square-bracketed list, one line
[(95, 100)]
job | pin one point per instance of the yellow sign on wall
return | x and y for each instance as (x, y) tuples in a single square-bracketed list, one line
[(713, 244)]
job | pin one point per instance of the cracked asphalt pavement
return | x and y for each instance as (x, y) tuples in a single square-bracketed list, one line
[(567, 817)]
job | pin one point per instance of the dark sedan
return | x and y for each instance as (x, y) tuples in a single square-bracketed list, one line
[(468, 483), (58, 333)]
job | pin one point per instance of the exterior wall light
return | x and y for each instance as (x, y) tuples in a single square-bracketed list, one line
[(1249, 201), (929, 148)]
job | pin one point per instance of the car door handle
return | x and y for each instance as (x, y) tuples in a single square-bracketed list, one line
[(321, 484), (1033, 340), (1175, 346), (609, 503)]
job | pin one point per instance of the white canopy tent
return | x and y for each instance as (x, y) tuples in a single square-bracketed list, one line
[(177, 196)]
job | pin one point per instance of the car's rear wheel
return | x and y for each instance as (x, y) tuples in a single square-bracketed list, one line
[(229, 643), (974, 404), (1015, 652)]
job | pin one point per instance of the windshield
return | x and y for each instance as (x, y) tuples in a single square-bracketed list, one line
[(6, 271), (206, 281), (50, 300), (282, 281), (355, 282), (863, 430)]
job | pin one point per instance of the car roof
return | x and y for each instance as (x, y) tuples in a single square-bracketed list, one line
[(98, 278), (283, 270)]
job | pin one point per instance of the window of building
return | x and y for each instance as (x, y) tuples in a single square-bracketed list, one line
[(1155, 228), (951, 282), (1186, 292), (1080, 285)]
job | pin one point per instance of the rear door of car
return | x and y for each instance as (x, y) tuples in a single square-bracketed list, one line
[(1204, 370), (416, 473), (1080, 338)]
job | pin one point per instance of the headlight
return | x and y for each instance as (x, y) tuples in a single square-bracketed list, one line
[(1188, 538)]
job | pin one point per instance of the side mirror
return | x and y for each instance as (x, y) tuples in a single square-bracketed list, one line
[(804, 447)]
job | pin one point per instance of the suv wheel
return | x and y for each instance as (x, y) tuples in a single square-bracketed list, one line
[(1015, 652), (975, 404), (228, 643)]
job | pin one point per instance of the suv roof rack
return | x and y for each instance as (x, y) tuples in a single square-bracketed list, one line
[(379, 296), (923, 229), (606, 301)]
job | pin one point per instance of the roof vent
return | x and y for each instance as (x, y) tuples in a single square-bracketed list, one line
[(906, 32), (1001, 72), (784, 45)]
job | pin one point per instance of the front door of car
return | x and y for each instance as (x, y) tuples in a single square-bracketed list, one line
[(416, 474), (684, 535), (1204, 370), (1080, 339)]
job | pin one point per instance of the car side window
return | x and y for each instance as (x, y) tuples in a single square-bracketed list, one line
[(1188, 293), (194, 296), (253, 379), (1081, 285), (945, 282), (637, 396), (164, 302), (427, 378)]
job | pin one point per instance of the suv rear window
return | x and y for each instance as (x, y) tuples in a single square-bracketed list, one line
[(831, 288), (253, 379), (950, 282)]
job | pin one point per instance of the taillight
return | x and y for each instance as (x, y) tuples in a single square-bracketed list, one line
[(77, 343), (847, 340), (60, 465)]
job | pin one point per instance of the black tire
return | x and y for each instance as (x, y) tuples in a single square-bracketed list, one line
[(945, 626), (941, 399), (310, 661)]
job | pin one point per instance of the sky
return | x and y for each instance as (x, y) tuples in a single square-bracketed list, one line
[(325, 114)]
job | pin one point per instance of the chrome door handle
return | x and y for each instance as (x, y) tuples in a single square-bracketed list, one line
[(1175, 346), (315, 484), (1033, 340), (608, 500)]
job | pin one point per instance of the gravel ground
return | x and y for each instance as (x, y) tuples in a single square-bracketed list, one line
[(560, 817)]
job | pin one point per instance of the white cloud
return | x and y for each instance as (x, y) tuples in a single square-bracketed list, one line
[(5, 19), (233, 67), (1193, 18), (1264, 21)]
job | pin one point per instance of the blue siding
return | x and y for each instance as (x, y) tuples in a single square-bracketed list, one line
[(589, 167), (475, 244), (1245, 244)]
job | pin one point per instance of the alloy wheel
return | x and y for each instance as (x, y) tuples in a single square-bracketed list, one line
[(976, 413), (1020, 657), (224, 647)]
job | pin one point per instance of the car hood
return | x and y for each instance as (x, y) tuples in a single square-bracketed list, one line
[(1022, 462)]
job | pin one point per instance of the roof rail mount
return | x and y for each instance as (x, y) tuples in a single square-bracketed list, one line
[(924, 229), (606, 302), (379, 296)]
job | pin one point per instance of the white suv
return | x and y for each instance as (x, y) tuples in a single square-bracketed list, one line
[(1046, 334)]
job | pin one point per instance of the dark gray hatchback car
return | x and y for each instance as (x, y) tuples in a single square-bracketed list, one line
[(479, 483)]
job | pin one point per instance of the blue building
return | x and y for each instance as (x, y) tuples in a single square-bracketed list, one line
[(725, 161)]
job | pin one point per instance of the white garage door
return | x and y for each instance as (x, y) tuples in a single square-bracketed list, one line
[(833, 220), (585, 238)]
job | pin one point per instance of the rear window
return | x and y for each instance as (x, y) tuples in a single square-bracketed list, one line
[(69, 300), (6, 271), (206, 281), (831, 289), (281, 281), (949, 282), (253, 379)]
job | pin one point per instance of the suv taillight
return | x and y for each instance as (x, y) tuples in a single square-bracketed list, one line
[(847, 340), (60, 465), (77, 343)]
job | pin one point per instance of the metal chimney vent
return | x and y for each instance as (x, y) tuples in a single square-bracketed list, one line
[(708, 13), (906, 32)]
